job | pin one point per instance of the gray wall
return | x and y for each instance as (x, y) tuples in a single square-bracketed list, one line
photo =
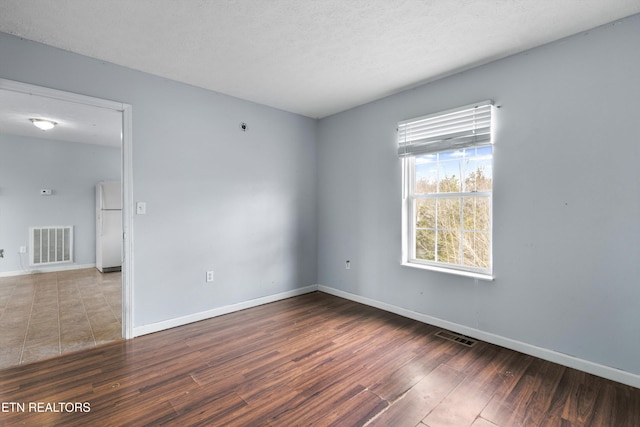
[(241, 204), (566, 199), (71, 170)]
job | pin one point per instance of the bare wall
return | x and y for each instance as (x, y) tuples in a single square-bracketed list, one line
[(566, 200), (240, 203)]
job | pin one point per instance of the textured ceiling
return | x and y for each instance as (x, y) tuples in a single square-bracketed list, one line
[(312, 57)]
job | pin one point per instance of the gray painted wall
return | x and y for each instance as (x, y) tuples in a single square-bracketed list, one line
[(72, 171), (566, 199), (240, 203)]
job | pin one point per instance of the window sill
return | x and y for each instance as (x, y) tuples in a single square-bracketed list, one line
[(471, 274)]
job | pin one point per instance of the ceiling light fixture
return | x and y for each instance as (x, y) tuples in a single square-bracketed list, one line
[(43, 124)]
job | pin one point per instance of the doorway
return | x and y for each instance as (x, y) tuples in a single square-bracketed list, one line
[(77, 114)]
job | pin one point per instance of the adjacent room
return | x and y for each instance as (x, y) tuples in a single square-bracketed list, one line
[(58, 293), (344, 213)]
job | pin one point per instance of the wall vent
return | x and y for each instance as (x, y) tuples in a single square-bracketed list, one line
[(51, 245), (460, 339)]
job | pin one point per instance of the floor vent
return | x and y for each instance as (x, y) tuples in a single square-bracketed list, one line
[(460, 339), (51, 245)]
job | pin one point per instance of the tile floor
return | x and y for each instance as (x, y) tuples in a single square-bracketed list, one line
[(44, 315)]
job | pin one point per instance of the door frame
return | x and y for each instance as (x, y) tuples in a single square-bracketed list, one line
[(126, 175)]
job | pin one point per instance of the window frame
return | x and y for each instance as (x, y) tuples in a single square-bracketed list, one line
[(409, 218)]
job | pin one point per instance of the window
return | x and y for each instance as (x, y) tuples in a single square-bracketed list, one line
[(447, 195)]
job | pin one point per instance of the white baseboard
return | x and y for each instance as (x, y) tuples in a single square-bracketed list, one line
[(196, 317), (543, 353), (40, 270), (532, 350)]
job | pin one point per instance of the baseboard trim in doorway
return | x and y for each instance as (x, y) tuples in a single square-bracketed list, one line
[(203, 315), (40, 270)]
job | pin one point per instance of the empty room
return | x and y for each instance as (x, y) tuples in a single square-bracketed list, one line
[(348, 213)]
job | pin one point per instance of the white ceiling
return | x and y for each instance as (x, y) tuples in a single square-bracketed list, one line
[(312, 57)]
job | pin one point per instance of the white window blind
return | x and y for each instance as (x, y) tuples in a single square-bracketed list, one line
[(458, 128)]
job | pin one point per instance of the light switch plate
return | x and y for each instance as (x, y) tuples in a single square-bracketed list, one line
[(141, 208)]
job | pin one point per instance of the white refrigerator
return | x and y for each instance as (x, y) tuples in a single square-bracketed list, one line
[(109, 226)]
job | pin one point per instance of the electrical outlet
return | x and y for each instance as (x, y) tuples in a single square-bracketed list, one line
[(347, 265), (23, 250), (210, 276)]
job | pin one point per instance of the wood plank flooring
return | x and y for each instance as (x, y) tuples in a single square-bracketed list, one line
[(313, 360)]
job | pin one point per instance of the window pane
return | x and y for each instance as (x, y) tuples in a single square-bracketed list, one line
[(478, 174), (426, 174), (426, 245), (448, 215), (449, 247), (477, 249), (449, 172), (426, 213), (476, 213), (454, 171)]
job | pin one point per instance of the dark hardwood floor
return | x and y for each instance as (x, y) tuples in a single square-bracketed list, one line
[(311, 360)]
